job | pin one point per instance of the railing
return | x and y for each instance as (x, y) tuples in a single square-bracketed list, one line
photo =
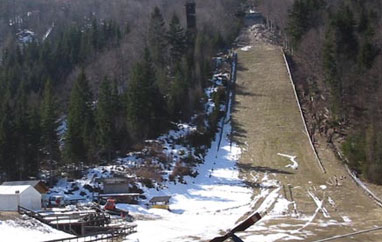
[(110, 235)]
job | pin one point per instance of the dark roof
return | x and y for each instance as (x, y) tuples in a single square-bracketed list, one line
[(159, 199), (116, 180), (17, 183)]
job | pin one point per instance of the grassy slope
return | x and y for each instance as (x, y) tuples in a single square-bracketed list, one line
[(267, 121)]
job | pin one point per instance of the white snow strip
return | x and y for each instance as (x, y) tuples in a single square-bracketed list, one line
[(294, 164), (246, 48), (319, 204), (46, 35), (346, 219)]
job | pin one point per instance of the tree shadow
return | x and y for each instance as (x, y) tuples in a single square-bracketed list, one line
[(262, 169), (240, 67), (238, 133), (259, 185), (241, 90)]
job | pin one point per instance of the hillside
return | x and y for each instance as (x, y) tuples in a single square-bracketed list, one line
[(334, 49)]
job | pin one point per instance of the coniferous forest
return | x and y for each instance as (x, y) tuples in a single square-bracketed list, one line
[(84, 81)]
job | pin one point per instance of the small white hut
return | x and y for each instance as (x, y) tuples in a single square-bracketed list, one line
[(24, 195)]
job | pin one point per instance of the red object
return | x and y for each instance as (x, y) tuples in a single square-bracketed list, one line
[(110, 204)]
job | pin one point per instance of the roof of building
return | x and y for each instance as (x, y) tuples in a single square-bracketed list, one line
[(116, 180), (159, 199), (13, 183), (8, 190)]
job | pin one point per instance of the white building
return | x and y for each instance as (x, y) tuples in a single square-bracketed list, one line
[(24, 195)]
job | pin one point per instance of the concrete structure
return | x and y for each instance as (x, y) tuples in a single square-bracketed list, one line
[(24, 195), (36, 184)]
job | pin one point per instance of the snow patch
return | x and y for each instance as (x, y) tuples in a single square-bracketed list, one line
[(246, 48), (294, 164)]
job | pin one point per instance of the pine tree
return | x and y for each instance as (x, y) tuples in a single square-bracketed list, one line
[(176, 39), (21, 131), (143, 99), (105, 114), (157, 38), (49, 125), (7, 148), (35, 142), (79, 136)]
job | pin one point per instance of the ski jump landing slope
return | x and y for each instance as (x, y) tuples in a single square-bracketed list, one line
[(269, 128)]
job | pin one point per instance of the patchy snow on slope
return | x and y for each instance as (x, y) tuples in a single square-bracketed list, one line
[(211, 202), (29, 230), (294, 164)]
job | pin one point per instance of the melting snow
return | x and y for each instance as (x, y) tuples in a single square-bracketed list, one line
[(294, 164), (246, 48)]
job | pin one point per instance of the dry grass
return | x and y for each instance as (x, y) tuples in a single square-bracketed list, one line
[(267, 121)]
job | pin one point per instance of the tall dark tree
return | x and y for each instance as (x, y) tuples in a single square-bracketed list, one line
[(157, 38), (143, 99), (21, 132), (79, 136), (49, 125), (176, 39), (7, 148), (106, 113)]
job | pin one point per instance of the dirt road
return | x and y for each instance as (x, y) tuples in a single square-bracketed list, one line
[(269, 129)]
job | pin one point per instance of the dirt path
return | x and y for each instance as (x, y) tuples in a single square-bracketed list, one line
[(270, 131)]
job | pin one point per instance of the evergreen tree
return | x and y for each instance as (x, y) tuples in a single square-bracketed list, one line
[(35, 145), (177, 101), (21, 132), (157, 38), (79, 136), (105, 114), (144, 102), (176, 39), (49, 125), (7, 149)]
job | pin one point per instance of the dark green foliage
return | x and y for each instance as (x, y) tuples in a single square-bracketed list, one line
[(166, 85), (343, 24), (7, 148), (80, 121), (49, 125), (157, 38), (354, 150), (176, 40), (106, 112), (302, 17), (143, 100)]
